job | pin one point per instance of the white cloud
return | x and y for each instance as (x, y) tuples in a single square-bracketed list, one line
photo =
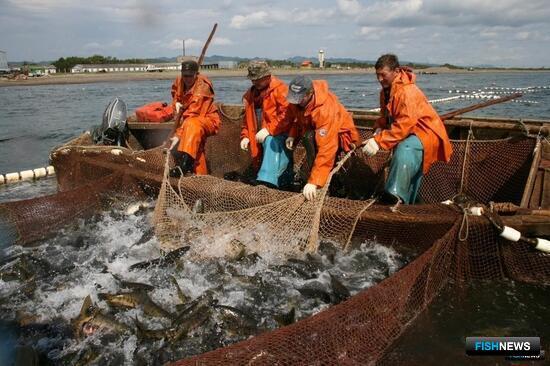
[(92, 46), (403, 13), (349, 7), (117, 43), (268, 19), (370, 33), (334, 37), (177, 44), (220, 41), (257, 19)]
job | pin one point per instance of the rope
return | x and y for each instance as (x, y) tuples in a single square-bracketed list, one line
[(464, 224), (466, 155), (367, 206), (312, 244)]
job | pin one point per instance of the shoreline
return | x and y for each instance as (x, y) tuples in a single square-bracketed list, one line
[(86, 78)]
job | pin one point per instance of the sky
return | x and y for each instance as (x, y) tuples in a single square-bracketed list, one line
[(509, 33)]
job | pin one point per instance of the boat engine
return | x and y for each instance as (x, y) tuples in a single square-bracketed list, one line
[(114, 129)]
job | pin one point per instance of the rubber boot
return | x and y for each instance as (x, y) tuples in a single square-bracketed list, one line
[(276, 169), (184, 164), (405, 174)]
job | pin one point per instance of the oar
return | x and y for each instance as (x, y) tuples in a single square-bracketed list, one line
[(201, 59)]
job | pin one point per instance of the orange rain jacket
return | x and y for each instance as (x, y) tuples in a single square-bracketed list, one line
[(274, 107), (412, 114), (333, 125), (200, 118)]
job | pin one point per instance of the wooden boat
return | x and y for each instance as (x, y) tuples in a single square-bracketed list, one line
[(505, 168), (530, 214)]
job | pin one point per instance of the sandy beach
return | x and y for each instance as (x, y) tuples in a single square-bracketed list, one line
[(85, 78)]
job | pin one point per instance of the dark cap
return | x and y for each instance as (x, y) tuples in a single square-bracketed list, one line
[(258, 70), (189, 66), (298, 88)]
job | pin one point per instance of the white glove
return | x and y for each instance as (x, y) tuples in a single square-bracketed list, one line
[(377, 131), (371, 147), (244, 144), (261, 135), (289, 142), (173, 142), (178, 107), (310, 191)]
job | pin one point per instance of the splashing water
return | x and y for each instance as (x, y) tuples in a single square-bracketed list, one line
[(43, 288)]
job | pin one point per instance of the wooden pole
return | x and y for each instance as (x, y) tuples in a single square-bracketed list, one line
[(532, 175), (478, 106), (203, 53)]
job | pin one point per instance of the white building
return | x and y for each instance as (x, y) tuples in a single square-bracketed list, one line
[(108, 68), (173, 66), (4, 62), (228, 64)]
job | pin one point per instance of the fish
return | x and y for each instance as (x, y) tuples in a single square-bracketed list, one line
[(90, 319), (236, 321), (315, 290), (145, 237), (132, 285), (204, 301), (134, 299), (136, 207), (250, 259), (309, 266), (165, 333), (339, 291), (180, 328), (167, 259), (328, 250), (81, 357), (183, 298), (289, 270), (286, 318), (235, 250)]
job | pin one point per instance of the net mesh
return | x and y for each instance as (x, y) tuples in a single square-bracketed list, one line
[(216, 216)]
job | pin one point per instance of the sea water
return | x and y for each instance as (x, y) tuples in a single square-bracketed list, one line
[(36, 119)]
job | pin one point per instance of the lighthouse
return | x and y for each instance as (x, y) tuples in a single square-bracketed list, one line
[(321, 57)]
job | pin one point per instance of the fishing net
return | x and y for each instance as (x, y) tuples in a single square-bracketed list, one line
[(216, 215)]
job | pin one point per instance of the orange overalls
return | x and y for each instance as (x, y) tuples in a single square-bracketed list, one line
[(333, 125), (412, 114), (274, 106), (200, 119)]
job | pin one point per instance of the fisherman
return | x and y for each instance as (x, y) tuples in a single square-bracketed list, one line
[(265, 126), (200, 119), (410, 126), (315, 109)]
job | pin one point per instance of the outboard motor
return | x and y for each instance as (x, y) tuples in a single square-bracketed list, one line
[(113, 130)]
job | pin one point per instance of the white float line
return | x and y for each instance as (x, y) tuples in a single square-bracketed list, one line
[(474, 95), (25, 175)]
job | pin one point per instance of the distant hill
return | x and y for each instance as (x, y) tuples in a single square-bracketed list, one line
[(298, 60)]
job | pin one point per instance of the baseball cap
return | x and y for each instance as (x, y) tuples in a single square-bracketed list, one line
[(298, 88)]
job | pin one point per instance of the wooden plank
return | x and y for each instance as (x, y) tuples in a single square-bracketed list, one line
[(150, 125), (545, 196), (532, 175), (529, 225), (536, 193)]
